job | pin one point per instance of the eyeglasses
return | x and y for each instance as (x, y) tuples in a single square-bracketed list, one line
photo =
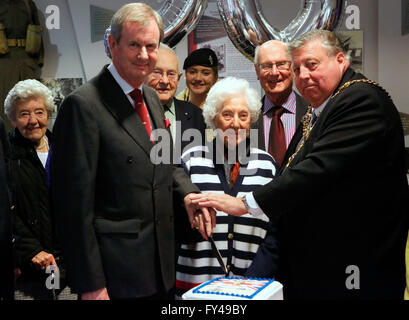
[(158, 74), (280, 65)]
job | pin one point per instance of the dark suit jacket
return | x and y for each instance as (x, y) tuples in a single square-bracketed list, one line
[(190, 117), (343, 201), (113, 204), (6, 266)]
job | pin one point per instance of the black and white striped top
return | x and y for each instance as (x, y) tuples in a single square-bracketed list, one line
[(237, 238)]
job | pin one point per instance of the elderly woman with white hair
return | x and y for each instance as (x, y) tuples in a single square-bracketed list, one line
[(228, 165), (29, 105)]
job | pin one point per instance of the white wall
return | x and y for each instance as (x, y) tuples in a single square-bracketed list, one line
[(393, 53), (62, 59)]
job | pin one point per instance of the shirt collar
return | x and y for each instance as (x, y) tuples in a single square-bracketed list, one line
[(289, 105), (318, 110), (170, 107), (125, 86)]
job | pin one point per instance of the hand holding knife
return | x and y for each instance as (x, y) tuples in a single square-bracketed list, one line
[(214, 249)]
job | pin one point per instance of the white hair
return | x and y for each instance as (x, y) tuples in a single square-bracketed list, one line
[(24, 91), (269, 43), (223, 90)]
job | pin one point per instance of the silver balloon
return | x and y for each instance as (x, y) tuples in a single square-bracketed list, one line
[(247, 28), (179, 17)]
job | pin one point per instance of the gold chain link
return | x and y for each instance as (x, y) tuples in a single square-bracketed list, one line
[(306, 127), (349, 83)]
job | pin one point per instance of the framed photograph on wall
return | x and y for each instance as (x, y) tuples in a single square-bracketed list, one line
[(353, 41), (60, 88)]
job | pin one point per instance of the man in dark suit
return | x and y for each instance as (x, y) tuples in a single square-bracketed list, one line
[(183, 115), (342, 201), (273, 68), (6, 267), (113, 203)]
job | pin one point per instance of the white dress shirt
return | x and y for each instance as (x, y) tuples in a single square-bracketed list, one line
[(127, 88)]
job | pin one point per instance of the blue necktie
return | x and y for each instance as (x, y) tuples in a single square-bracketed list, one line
[(313, 118)]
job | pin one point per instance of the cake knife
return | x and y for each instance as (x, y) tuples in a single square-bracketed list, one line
[(218, 255)]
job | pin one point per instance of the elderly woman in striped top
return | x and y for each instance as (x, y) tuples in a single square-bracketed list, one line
[(229, 165)]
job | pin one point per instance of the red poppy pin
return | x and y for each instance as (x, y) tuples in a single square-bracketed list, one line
[(167, 123)]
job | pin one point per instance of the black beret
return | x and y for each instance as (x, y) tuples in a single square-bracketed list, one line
[(201, 57)]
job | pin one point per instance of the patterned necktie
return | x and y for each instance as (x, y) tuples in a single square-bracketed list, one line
[(234, 173), (276, 140), (141, 109), (313, 117)]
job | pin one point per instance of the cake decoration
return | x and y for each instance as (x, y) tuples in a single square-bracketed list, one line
[(233, 286)]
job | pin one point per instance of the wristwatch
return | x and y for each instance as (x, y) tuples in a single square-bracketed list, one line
[(245, 203)]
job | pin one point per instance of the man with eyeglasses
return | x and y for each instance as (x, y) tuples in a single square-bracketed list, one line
[(183, 115), (282, 108)]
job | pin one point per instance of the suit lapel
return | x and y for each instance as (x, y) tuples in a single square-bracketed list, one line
[(301, 109), (183, 115), (349, 74), (259, 125), (121, 109), (154, 107)]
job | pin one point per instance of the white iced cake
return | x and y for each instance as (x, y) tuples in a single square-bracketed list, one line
[(235, 288)]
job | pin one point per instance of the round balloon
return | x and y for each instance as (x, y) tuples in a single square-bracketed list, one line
[(180, 17), (247, 28)]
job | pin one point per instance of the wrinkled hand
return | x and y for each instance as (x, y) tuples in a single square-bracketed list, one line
[(201, 218), (100, 294), (222, 202), (43, 259), (201, 221)]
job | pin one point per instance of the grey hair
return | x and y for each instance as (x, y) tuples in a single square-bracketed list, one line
[(164, 46), (24, 91), (134, 12), (224, 89), (328, 40)]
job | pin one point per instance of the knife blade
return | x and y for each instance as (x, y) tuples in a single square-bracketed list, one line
[(218, 255)]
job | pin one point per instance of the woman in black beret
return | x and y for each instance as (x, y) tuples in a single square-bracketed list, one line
[(201, 73)]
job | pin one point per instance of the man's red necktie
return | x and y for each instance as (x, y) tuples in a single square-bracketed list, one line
[(141, 109), (276, 140)]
